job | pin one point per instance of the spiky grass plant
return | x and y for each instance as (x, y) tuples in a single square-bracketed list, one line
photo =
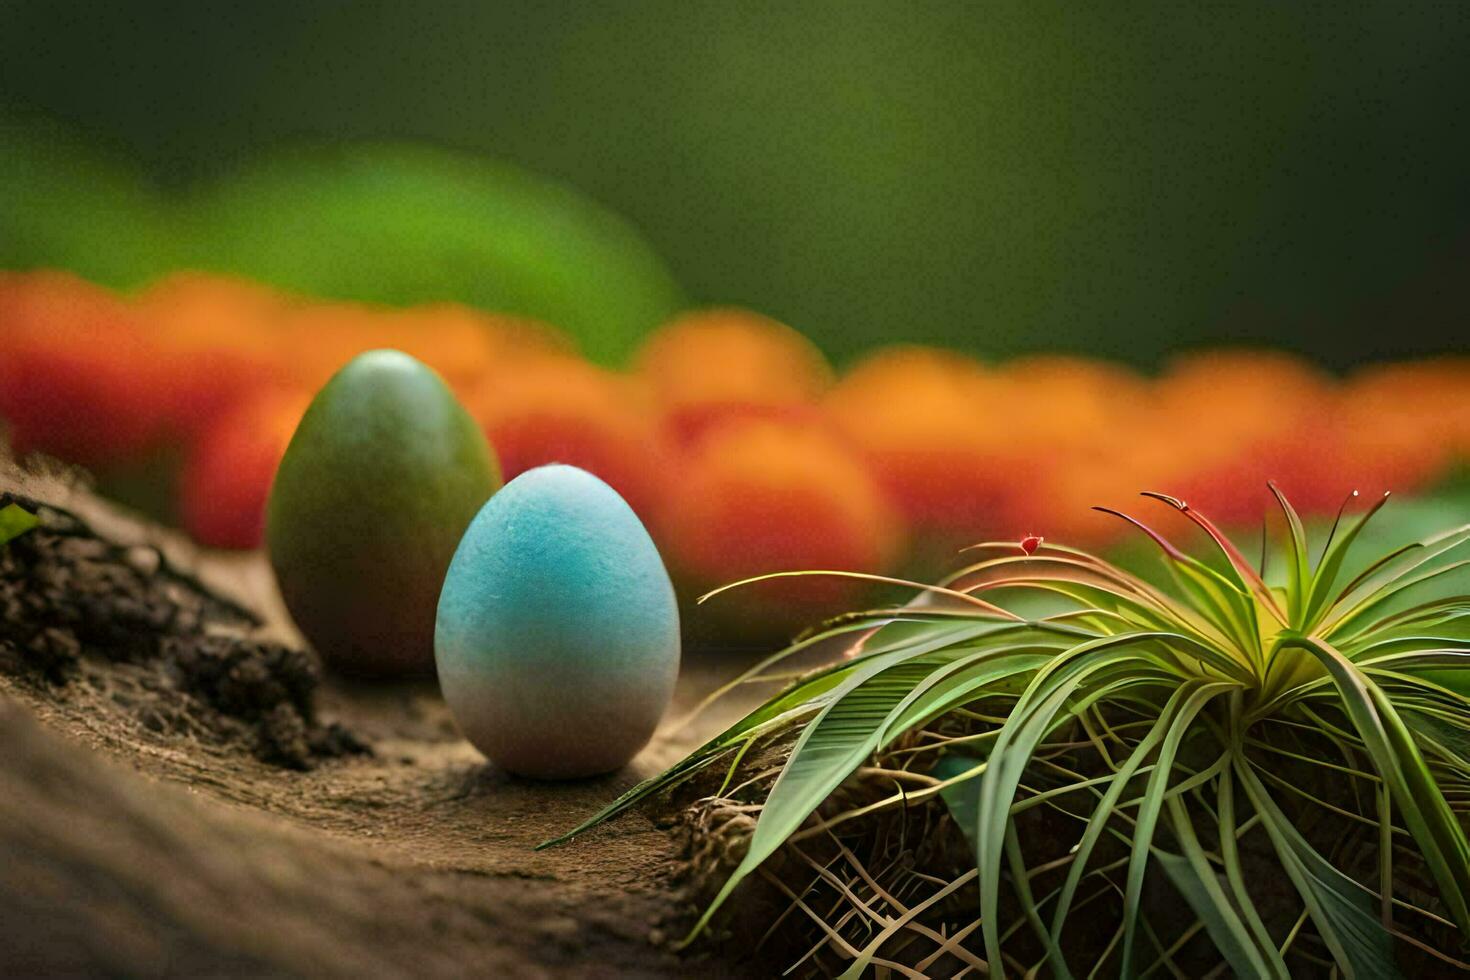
[(1240, 729)]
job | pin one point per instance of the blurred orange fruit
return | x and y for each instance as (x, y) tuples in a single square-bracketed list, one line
[(460, 343), (761, 496), (1080, 420), (563, 410), (730, 437), (222, 340), (1076, 403), (193, 310), (1403, 425), (1235, 419), (710, 366), (945, 437), (227, 473), (78, 377)]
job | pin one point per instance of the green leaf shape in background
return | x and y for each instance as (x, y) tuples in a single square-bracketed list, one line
[(397, 224), (402, 224), (65, 203)]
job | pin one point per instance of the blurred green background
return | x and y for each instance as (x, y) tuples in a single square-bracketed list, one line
[(995, 177)]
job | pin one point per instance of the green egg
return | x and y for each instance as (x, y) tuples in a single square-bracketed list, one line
[(382, 477)]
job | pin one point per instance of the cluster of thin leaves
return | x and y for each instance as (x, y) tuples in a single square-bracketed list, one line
[(1212, 712)]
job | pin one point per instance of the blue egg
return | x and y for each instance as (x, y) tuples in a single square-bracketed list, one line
[(557, 639)]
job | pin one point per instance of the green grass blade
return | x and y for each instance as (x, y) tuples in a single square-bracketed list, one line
[(1226, 604), (1008, 758), (1033, 717), (979, 604), (1196, 881), (1342, 912), (806, 697), (1232, 611), (1396, 758), (1449, 739), (1102, 812), (1385, 594), (1331, 564), (810, 774), (1247, 578), (874, 704), (754, 672), (1384, 577), (1234, 872), (1299, 572), (1180, 728)]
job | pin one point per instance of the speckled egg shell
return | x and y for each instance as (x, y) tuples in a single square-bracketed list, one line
[(557, 639)]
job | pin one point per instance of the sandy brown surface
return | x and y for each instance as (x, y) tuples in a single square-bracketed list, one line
[(132, 848)]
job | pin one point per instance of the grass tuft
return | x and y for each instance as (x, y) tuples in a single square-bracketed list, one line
[(1046, 762)]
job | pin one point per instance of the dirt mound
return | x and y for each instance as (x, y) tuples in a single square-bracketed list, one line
[(149, 696), (67, 595)]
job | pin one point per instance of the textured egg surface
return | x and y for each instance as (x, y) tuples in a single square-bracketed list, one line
[(557, 639), (383, 474)]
